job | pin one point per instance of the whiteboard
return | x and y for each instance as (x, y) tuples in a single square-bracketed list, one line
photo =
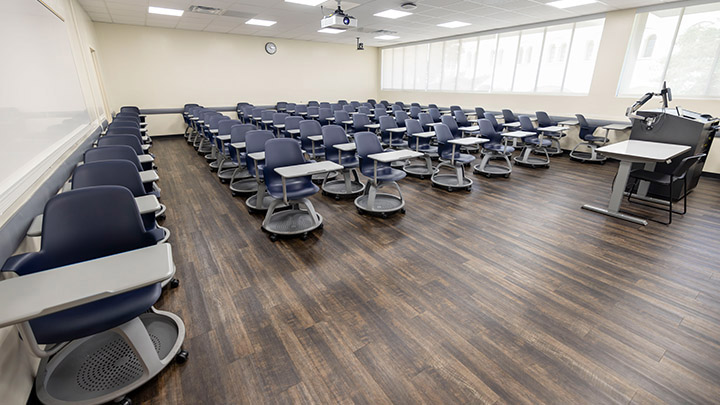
[(42, 108)]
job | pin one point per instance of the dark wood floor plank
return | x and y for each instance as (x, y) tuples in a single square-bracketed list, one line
[(509, 293)]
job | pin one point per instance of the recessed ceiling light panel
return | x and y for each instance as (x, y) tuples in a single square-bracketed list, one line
[(453, 24), (165, 11), (386, 37), (264, 23), (306, 2), (570, 3), (392, 14), (331, 31)]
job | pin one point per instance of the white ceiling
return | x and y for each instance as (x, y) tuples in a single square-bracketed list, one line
[(295, 21)]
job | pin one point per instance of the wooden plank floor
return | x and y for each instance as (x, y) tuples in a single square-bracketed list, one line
[(507, 294)]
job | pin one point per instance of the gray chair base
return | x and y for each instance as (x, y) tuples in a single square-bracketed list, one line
[(531, 161), (107, 366), (382, 204), (489, 170), (420, 170), (590, 156), (451, 181), (345, 187), (291, 222)]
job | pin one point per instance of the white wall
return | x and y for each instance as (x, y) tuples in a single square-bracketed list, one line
[(601, 102), (17, 366), (166, 68)]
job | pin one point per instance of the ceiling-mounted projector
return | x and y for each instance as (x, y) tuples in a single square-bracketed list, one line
[(338, 20)]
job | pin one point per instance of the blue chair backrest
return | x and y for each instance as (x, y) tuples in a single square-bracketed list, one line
[(400, 117), (454, 108), (395, 108), (333, 134), (238, 132), (130, 108), (355, 104), (480, 112), (461, 118), (387, 122), (349, 108), (225, 126), (187, 107), (433, 106), (255, 142), (300, 108), (86, 224), (364, 110), (371, 101), (491, 117), (279, 118), (425, 118), (443, 135), (247, 112), (415, 111), (128, 140), (325, 113), (336, 107), (451, 124), (267, 115), (257, 112), (313, 110), (309, 128), (341, 115), (342, 102), (293, 122), (508, 116), (359, 122), (585, 128), (122, 152), (487, 130), (435, 114), (324, 104), (526, 124), (124, 131), (544, 120), (415, 105), (414, 127), (125, 122), (109, 173), (281, 152), (291, 106), (367, 143), (313, 104), (280, 105)]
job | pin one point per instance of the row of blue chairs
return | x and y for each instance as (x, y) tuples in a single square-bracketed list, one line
[(122, 339)]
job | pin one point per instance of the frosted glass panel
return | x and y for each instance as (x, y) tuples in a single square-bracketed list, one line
[(435, 66), (450, 64), (581, 64), (505, 61), (554, 59), (528, 60)]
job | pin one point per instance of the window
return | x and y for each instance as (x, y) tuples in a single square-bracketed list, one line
[(554, 59), (680, 46)]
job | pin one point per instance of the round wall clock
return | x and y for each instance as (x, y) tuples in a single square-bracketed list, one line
[(270, 48)]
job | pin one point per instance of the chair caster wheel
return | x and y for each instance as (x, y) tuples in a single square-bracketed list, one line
[(234, 194), (182, 357), (160, 217), (487, 175), (507, 176), (468, 189), (273, 237), (360, 211), (174, 283), (304, 236), (324, 192), (450, 189), (422, 177), (224, 181), (384, 215), (402, 210), (123, 401), (602, 162), (321, 226)]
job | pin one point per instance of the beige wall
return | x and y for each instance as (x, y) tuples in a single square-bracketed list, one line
[(601, 102), (165, 68)]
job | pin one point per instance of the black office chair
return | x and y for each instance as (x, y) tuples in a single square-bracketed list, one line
[(668, 180)]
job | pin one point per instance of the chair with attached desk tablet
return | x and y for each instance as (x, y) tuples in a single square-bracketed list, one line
[(224, 165), (120, 173), (395, 108), (364, 110), (400, 118), (509, 117), (313, 112), (257, 117), (461, 119), (278, 122), (426, 121), (415, 112), (491, 117), (127, 140), (360, 122), (450, 157), (241, 181), (255, 146), (667, 180), (123, 152), (210, 123), (301, 110), (325, 104), (308, 130), (355, 104), (435, 114), (338, 149), (390, 135), (452, 125), (288, 177), (313, 103), (479, 113), (239, 110), (213, 131), (186, 117), (454, 108), (292, 127), (336, 107), (534, 143), (554, 134), (588, 141), (419, 141), (375, 164), (266, 118), (281, 106), (291, 108), (495, 148), (325, 116), (343, 118), (349, 108), (379, 111), (247, 111), (87, 295)]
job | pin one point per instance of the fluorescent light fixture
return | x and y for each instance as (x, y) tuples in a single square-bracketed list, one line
[(331, 31), (264, 23), (453, 24), (306, 2), (386, 37), (165, 11), (570, 3), (392, 14)]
